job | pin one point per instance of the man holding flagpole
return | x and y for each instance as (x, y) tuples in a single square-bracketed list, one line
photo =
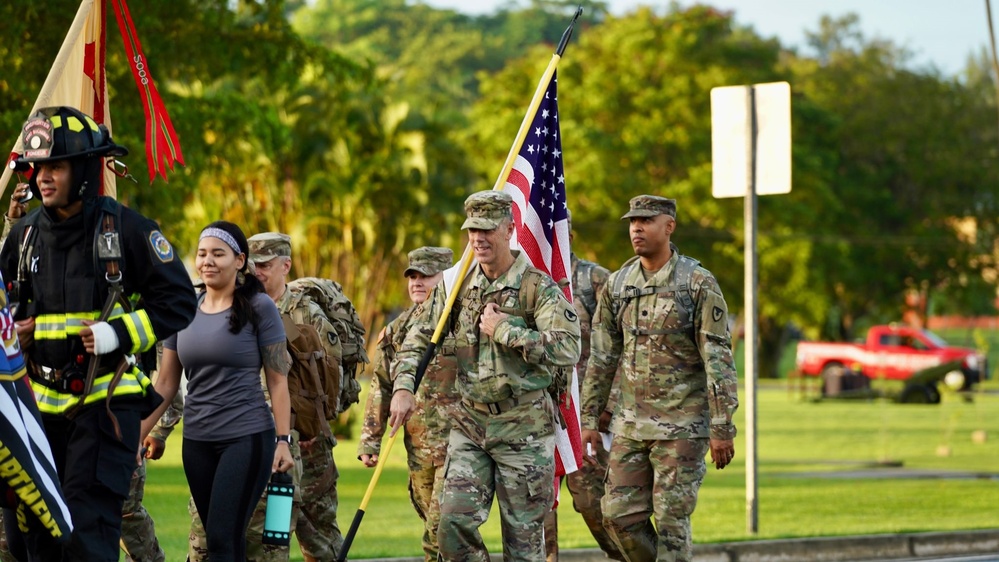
[(513, 328), (427, 430)]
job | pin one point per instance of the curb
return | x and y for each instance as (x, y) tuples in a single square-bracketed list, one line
[(818, 549), (844, 549)]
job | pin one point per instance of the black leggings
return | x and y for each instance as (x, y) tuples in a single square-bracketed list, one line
[(227, 479)]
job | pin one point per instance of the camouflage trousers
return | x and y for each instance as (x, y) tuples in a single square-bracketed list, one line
[(586, 486), (5, 553), (425, 487), (509, 455), (659, 478), (316, 526), (551, 535), (315, 479), (138, 534)]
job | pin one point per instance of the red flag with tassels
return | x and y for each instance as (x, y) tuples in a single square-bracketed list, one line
[(162, 144)]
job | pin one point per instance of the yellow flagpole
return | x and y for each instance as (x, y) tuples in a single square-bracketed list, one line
[(466, 262), (52, 80)]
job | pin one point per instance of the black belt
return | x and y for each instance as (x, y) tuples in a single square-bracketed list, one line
[(46, 374), (62, 380), (503, 405)]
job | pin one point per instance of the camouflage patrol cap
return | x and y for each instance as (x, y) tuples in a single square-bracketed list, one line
[(651, 206), (269, 245), (429, 260), (486, 209)]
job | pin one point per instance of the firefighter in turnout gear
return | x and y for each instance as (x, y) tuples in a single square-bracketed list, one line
[(79, 266)]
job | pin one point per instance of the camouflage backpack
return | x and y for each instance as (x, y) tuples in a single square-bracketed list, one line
[(528, 297), (343, 316), (586, 290)]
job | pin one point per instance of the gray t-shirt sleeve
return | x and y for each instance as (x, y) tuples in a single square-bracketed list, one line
[(270, 329)]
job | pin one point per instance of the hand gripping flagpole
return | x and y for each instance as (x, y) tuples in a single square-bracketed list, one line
[(466, 262)]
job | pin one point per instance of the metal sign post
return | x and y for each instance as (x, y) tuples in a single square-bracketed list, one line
[(751, 155)]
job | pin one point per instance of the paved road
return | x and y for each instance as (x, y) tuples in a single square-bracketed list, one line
[(957, 546), (983, 558)]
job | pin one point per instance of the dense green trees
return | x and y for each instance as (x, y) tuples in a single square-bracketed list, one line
[(879, 193), (360, 126)]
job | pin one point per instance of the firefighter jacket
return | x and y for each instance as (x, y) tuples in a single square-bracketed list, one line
[(63, 283)]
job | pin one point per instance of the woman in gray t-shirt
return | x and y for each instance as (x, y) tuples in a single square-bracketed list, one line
[(229, 432)]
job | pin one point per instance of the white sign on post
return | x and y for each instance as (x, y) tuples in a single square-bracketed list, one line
[(730, 138)]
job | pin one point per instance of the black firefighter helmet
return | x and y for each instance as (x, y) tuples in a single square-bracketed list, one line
[(66, 133)]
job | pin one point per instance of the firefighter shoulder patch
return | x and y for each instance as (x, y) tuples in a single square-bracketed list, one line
[(160, 246)]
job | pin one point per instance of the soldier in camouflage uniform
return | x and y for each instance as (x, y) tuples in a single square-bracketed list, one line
[(5, 547), (586, 485), (138, 534), (663, 318), (427, 430), (502, 439), (315, 521)]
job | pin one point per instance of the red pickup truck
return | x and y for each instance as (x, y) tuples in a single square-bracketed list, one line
[(891, 352)]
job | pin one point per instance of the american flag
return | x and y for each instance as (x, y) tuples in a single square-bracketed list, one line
[(540, 210), (29, 472)]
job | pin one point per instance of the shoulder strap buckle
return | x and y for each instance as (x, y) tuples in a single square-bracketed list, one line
[(108, 245)]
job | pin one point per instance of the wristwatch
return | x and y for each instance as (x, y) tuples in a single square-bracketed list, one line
[(285, 438)]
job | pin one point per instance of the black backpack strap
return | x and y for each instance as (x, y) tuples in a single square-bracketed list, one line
[(587, 294), (618, 288), (21, 288), (107, 251)]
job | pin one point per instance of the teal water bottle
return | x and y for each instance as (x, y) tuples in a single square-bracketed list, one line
[(277, 520)]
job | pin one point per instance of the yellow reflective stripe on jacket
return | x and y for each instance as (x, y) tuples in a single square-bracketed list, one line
[(51, 401), (140, 329), (62, 326)]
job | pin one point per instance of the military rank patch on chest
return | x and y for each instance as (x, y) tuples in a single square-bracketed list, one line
[(160, 246)]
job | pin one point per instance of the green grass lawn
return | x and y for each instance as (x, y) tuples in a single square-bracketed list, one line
[(796, 438)]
